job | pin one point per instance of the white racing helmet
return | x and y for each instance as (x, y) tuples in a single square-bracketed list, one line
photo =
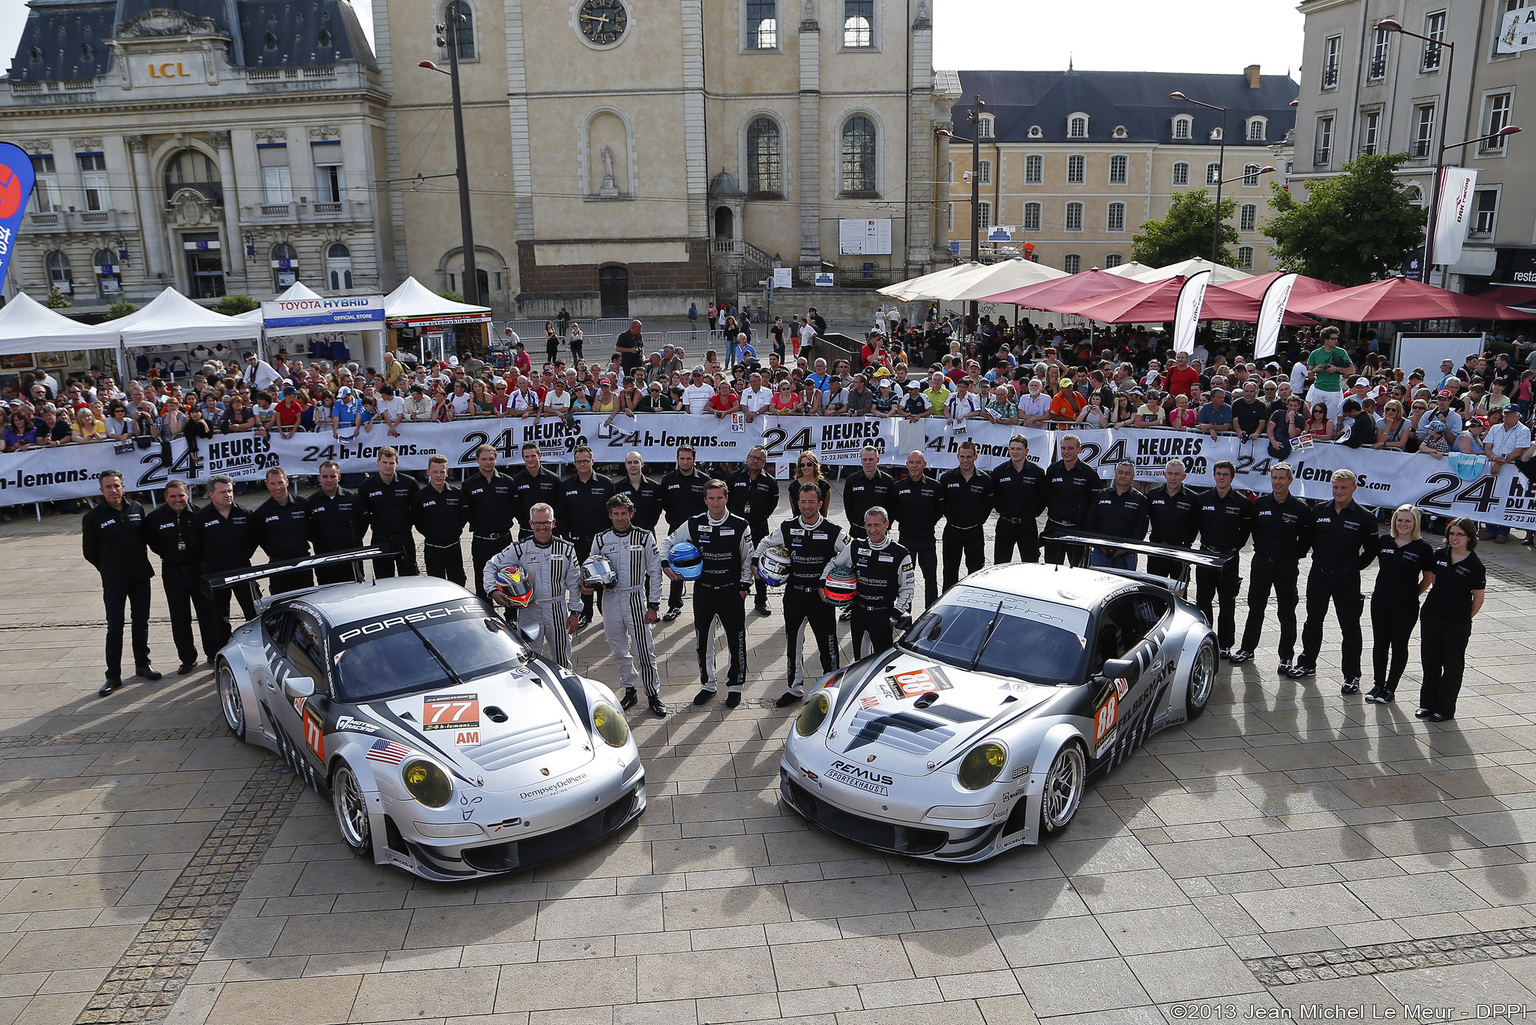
[(773, 566), (597, 573)]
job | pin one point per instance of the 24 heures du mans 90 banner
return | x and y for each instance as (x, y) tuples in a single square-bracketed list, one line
[(1387, 478)]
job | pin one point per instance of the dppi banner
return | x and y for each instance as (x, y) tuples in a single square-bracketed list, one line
[(16, 180)]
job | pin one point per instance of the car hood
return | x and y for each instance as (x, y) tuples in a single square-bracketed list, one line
[(513, 730), (911, 712)]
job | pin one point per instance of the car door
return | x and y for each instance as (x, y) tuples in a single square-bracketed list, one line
[(297, 694), (1124, 703)]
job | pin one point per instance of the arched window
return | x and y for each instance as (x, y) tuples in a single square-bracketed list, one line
[(460, 23), (1072, 263), (765, 157), (1034, 169), (285, 266), (1248, 218), (1183, 127), (985, 126), (59, 274), (1115, 221), (1074, 217), (1250, 174), (338, 266), (1256, 127), (1077, 126), (1031, 216), (1245, 257), (858, 156), (1212, 173), (1113, 260), (1119, 165), (1181, 173), (108, 284), (190, 169)]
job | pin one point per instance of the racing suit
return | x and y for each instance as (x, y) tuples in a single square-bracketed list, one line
[(720, 592), (813, 547), (556, 579), (637, 569), (886, 585)]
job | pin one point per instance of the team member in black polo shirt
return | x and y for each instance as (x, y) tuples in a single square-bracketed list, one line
[(1226, 519), (813, 542), (1404, 570), (388, 499), (584, 504), (112, 536), (1119, 511), (336, 523), (1174, 513), (642, 490), (722, 588), (754, 495), (864, 489), (917, 505), (1070, 486), (1453, 602), (682, 498), (885, 577), (282, 530), (968, 494), (490, 506), (532, 485), (439, 515), (1020, 489), (226, 538), (1345, 544), (1282, 536), (172, 533)]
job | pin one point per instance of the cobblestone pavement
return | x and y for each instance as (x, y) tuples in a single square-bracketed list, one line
[(1291, 852)]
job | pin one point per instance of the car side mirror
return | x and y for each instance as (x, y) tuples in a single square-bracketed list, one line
[(299, 687), (1116, 668), (531, 633)]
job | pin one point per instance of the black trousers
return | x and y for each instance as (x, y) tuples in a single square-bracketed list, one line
[(404, 564), (118, 598), (1022, 535), (1392, 620), (1223, 584), (220, 628), (872, 630), (344, 573), (971, 542), (805, 607), (295, 581), (482, 548), (575, 344), (1170, 568), (1443, 655), (551, 349), (1343, 590), (583, 546), (760, 589), (446, 562), (729, 606), (925, 553), (675, 594), (1058, 553), (1279, 577), (183, 596)]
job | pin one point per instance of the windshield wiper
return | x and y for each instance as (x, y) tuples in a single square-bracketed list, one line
[(458, 681), (997, 614)]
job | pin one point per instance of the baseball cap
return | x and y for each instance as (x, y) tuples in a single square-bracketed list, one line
[(885, 382), (882, 372), (343, 392), (1363, 382), (912, 386), (1511, 408), (1443, 393)]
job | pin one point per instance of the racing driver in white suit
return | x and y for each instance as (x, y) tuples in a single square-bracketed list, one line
[(551, 565)]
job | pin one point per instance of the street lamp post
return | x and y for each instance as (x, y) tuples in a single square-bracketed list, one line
[(1221, 165), (1392, 25), (975, 141), (471, 290)]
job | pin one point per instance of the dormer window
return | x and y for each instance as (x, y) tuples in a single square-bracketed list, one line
[(1036, 132), (1077, 126), (1183, 127), (1120, 132), (1257, 127), (1215, 134), (984, 127)]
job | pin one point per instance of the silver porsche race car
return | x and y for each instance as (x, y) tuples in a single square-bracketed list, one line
[(980, 728), (445, 746)]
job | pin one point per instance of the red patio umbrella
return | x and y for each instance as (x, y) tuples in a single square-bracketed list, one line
[(1396, 299), (1047, 295), (1305, 287), (1156, 301)]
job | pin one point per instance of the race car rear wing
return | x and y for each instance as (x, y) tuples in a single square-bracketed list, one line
[(250, 574), (1186, 558)]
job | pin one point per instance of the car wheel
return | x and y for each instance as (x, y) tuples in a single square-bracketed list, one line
[(351, 810), (1063, 790), (1202, 677), (230, 701)]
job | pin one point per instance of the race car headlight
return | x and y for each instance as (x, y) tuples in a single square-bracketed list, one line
[(981, 766), (813, 713), (427, 782), (610, 725)]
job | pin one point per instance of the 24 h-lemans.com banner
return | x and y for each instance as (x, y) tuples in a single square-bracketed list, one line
[(1387, 478)]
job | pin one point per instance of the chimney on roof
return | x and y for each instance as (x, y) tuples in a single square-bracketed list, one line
[(1252, 73)]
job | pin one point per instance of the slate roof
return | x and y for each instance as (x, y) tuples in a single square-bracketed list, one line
[(64, 39), (1136, 99)]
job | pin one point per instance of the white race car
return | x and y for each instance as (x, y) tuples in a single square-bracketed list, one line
[(979, 729)]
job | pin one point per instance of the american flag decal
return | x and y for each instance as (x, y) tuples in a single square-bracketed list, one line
[(387, 751)]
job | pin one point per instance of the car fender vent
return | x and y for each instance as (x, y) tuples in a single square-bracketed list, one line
[(520, 745), (904, 731)]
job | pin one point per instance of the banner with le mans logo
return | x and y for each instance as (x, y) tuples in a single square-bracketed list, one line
[(16, 181)]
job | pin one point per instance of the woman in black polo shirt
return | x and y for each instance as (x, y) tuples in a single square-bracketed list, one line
[(1445, 624), (1403, 560)]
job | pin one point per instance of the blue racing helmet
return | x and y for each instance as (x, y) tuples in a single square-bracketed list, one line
[(773, 566), (686, 560)]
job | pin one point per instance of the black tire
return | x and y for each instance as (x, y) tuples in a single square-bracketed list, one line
[(230, 701), (1062, 795), (1202, 679), (351, 811)]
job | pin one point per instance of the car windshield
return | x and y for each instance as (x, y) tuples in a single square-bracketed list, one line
[(1009, 636), (421, 649)]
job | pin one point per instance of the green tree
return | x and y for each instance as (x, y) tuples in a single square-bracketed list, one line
[(57, 300), (1185, 232), (452, 297), (1352, 228), (121, 308), (233, 304)]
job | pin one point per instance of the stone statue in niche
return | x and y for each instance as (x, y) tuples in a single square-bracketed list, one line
[(609, 187)]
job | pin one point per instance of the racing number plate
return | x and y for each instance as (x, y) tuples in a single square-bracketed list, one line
[(450, 712)]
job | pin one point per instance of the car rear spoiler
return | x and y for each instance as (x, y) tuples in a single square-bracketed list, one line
[(1185, 557), (250, 574)]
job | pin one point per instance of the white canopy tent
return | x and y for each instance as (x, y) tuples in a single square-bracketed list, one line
[(1220, 274), (415, 306), (921, 287), (26, 325), (170, 318), (371, 332), (1133, 270), (1000, 277)]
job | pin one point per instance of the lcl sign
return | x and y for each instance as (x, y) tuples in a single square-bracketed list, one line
[(168, 69)]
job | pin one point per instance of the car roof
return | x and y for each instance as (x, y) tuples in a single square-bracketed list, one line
[(1062, 585), (346, 603)]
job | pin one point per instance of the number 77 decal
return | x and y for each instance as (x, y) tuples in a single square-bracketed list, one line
[(450, 711)]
